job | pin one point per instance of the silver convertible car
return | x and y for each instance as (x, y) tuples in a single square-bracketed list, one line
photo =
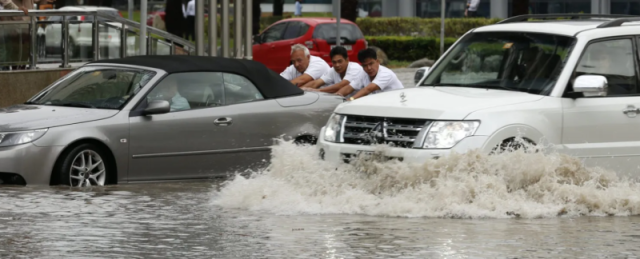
[(155, 118)]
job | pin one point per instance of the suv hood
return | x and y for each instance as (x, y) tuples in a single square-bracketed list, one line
[(28, 117), (446, 103)]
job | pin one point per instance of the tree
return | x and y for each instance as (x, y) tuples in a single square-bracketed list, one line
[(278, 7), (349, 9), (520, 7)]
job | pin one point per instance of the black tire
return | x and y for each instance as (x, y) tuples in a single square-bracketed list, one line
[(305, 140), (67, 159), (511, 145)]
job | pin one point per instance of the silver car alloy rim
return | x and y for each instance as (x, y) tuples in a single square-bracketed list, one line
[(87, 169)]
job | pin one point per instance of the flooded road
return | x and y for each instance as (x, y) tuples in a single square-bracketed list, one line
[(544, 206)]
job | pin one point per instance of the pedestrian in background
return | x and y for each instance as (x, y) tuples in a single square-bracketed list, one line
[(189, 13), (298, 11), (174, 18), (472, 8), (17, 38)]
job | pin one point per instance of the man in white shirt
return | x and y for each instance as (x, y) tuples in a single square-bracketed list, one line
[(343, 73), (376, 78), (304, 68), (472, 8), (190, 16)]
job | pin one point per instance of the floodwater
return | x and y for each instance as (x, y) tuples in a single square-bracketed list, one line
[(513, 205)]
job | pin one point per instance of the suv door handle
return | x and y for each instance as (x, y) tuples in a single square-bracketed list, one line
[(631, 111), (226, 121)]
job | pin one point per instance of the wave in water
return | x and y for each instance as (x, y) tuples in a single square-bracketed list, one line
[(470, 185)]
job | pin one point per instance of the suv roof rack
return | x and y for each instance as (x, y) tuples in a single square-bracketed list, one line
[(525, 17), (618, 22)]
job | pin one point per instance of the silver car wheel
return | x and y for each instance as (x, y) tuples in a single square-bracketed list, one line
[(87, 169)]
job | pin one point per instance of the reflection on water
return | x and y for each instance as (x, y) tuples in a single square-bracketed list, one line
[(303, 208)]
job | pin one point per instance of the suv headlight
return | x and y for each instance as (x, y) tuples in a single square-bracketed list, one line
[(446, 134), (20, 137), (333, 129)]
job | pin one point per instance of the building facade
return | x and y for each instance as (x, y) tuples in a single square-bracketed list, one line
[(455, 8)]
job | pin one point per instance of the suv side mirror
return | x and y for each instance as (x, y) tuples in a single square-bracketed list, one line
[(591, 85), (157, 107)]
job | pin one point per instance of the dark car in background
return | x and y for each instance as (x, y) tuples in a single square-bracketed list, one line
[(272, 47)]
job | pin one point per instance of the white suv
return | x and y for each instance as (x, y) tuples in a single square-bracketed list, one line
[(572, 83)]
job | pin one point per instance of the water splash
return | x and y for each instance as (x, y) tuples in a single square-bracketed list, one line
[(528, 184)]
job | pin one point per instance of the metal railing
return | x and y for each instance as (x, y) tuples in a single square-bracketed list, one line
[(64, 32)]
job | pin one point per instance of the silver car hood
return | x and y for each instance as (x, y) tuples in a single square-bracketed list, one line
[(28, 117)]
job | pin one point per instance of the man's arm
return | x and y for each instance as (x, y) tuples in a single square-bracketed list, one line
[(347, 90), (372, 87), (314, 84), (335, 88), (9, 5), (301, 80)]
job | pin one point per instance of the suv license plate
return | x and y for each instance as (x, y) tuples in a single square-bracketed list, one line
[(347, 47)]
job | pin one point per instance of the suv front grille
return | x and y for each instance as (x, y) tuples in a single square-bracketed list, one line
[(396, 132)]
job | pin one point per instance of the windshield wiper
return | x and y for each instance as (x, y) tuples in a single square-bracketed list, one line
[(499, 87), (30, 103), (75, 104)]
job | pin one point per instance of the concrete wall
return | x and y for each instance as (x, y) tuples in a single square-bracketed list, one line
[(18, 86)]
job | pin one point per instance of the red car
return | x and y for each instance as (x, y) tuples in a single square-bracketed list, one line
[(273, 46)]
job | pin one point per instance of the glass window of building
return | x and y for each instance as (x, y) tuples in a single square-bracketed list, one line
[(631, 7), (453, 8), (555, 6)]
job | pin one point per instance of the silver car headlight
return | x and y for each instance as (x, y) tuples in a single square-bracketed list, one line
[(446, 134), (333, 129), (20, 137)]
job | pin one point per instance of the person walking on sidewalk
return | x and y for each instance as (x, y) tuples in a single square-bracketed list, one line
[(298, 11), (472, 8), (190, 17)]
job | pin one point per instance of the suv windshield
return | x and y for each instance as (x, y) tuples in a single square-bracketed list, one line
[(517, 61), (91, 87)]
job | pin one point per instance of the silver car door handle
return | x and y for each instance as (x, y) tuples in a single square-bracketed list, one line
[(226, 121)]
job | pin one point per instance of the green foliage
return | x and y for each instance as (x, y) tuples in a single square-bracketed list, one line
[(423, 27), (406, 48)]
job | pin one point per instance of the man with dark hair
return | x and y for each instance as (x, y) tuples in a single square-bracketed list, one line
[(376, 78), (344, 73)]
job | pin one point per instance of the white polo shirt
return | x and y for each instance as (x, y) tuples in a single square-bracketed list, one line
[(317, 67), (353, 74), (385, 79)]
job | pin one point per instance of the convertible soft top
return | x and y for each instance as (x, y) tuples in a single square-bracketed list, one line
[(270, 84)]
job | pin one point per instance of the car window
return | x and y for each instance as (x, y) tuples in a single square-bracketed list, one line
[(348, 32), (613, 59), (295, 30), (274, 33), (238, 89), (103, 88), (190, 91)]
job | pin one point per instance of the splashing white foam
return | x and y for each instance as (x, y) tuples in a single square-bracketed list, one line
[(470, 185)]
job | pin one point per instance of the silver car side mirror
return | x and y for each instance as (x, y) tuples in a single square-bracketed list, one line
[(157, 107), (591, 85)]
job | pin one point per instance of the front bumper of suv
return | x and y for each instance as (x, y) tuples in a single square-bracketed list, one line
[(341, 153)]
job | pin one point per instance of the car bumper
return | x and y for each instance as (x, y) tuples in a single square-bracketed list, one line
[(341, 153), (32, 163)]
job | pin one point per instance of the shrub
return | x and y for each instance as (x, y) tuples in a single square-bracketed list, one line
[(422, 27), (406, 48)]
